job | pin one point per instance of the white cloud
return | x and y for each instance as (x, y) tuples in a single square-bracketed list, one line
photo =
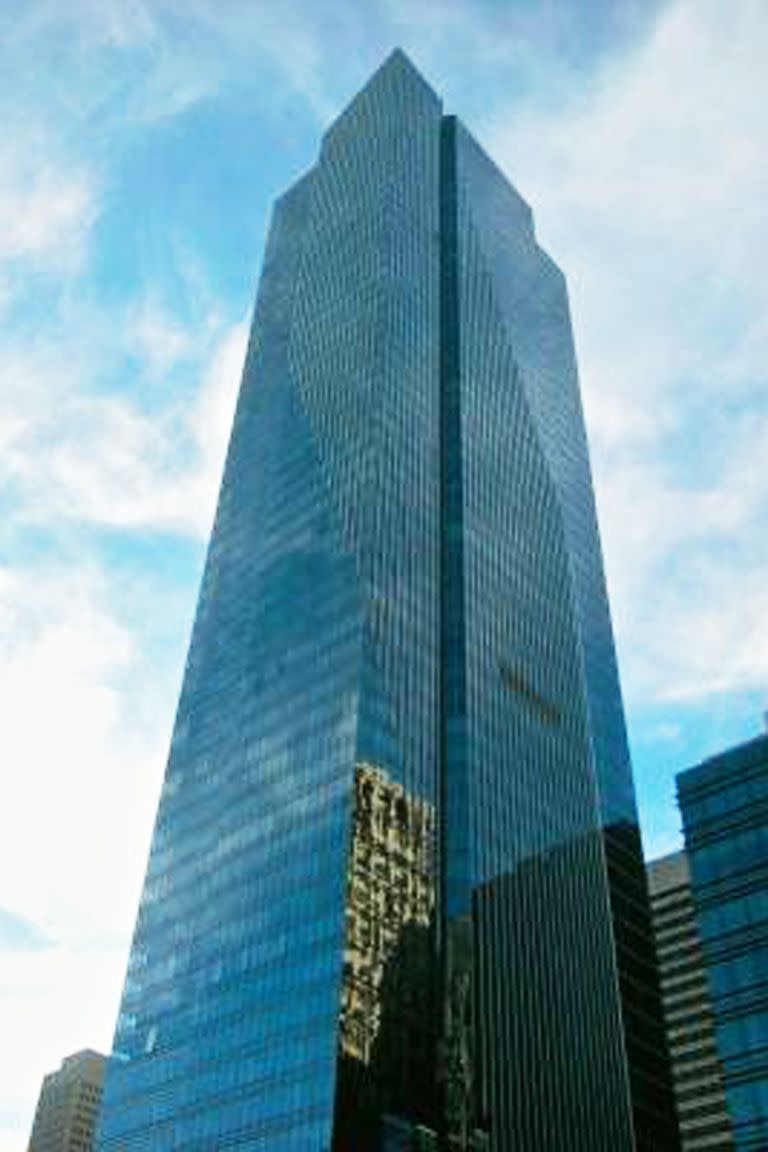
[(83, 773), (80, 774), (214, 409), (49, 202), (645, 148), (47, 219), (87, 709), (653, 517), (52, 1003), (88, 689), (160, 340), (71, 453), (114, 24), (649, 189), (720, 644), (118, 24)]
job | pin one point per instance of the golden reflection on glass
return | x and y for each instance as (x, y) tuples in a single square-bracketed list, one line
[(385, 1076), (390, 886)]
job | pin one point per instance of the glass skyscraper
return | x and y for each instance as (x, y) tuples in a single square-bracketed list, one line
[(724, 804), (395, 897)]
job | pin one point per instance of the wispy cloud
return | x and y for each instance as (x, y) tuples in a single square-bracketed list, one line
[(87, 706), (46, 218), (18, 934), (48, 206), (52, 1002), (65, 660), (73, 452), (160, 340)]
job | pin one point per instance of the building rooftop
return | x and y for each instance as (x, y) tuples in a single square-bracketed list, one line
[(740, 758), (668, 872)]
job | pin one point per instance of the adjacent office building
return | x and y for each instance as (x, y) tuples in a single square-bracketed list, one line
[(724, 805), (68, 1106), (705, 1124), (395, 896)]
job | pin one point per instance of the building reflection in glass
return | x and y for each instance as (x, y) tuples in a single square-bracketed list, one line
[(386, 1029)]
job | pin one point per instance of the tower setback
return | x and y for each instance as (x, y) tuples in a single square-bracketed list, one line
[(395, 897)]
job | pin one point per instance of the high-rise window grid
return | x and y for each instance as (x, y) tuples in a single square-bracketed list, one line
[(402, 646)]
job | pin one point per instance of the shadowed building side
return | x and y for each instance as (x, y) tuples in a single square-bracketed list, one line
[(527, 315)]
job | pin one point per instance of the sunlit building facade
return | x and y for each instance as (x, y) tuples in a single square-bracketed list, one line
[(395, 897), (68, 1105)]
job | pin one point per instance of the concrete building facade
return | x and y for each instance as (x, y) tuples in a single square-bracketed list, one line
[(68, 1106), (705, 1124)]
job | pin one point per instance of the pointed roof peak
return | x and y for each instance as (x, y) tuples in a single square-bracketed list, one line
[(399, 64), (397, 82), (399, 58)]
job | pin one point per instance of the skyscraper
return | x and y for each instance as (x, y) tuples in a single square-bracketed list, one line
[(705, 1124), (65, 1118), (395, 897), (724, 804)]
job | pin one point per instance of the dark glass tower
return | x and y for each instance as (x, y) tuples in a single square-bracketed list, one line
[(395, 897)]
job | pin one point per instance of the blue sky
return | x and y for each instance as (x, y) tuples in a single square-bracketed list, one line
[(143, 142)]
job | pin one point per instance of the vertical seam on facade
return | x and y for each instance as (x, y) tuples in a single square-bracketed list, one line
[(451, 558)]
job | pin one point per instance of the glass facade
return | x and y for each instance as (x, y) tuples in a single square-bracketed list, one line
[(395, 897), (724, 804)]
